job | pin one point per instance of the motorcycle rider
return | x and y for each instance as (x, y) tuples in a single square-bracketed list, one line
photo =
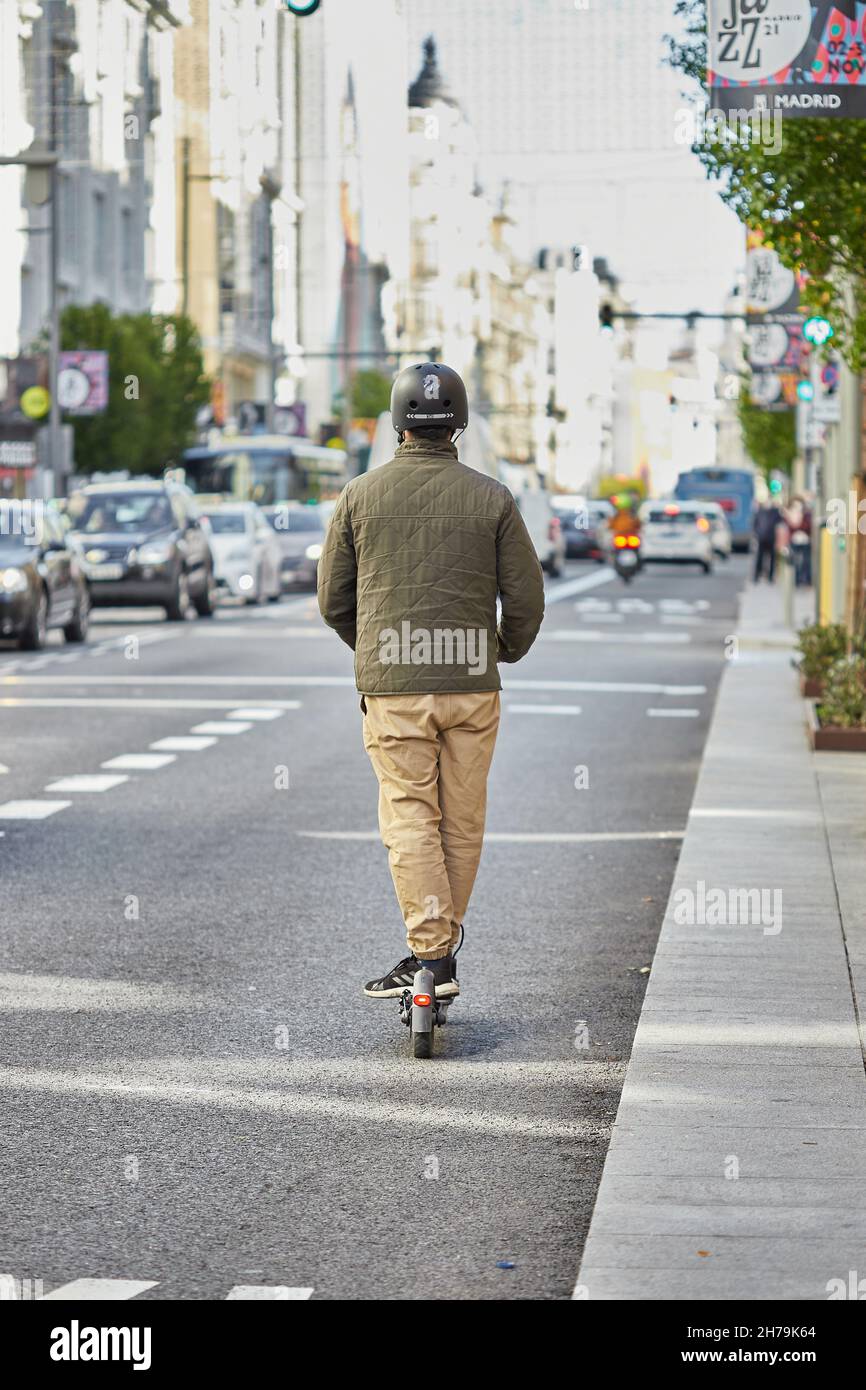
[(416, 555)]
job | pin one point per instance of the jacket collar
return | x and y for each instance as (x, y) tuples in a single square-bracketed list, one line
[(415, 448)]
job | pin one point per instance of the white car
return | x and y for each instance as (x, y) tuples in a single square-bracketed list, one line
[(247, 555), (676, 533), (544, 527), (720, 531)]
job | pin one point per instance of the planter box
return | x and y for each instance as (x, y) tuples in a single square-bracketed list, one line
[(832, 740), (811, 688)]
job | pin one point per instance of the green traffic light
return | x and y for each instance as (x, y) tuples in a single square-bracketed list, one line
[(818, 330), (302, 7)]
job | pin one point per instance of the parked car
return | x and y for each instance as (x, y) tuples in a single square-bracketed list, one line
[(583, 526), (143, 543), (300, 532), (721, 535), (246, 552), (544, 526), (676, 533), (42, 583)]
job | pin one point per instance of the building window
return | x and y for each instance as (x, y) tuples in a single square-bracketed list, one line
[(126, 234)]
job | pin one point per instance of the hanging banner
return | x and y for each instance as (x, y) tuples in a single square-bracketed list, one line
[(798, 57), (774, 327)]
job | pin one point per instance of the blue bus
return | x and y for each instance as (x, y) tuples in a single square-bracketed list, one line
[(732, 488)]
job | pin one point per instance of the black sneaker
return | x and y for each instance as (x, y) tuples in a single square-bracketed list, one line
[(392, 985)]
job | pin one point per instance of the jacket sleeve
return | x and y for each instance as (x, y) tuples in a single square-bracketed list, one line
[(520, 583), (338, 574)]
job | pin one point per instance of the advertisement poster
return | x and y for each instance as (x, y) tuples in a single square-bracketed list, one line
[(793, 56), (82, 382), (774, 327)]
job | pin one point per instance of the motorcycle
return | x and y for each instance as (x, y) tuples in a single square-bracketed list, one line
[(626, 556)]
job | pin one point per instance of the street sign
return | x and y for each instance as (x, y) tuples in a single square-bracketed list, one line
[(797, 57), (82, 382)]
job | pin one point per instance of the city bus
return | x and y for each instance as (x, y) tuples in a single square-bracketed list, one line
[(264, 468), (732, 488)]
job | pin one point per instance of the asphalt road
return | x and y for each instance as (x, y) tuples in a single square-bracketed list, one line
[(196, 1094)]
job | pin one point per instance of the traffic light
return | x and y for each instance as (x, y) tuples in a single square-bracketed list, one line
[(302, 7), (605, 317), (818, 330)]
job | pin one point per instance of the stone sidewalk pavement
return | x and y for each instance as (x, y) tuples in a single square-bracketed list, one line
[(737, 1167)]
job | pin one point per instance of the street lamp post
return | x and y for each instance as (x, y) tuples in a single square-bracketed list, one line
[(45, 162)]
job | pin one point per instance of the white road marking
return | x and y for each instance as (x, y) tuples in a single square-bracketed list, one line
[(542, 709), (312, 631), (608, 618), (31, 810), (345, 682), (3, 768), (263, 1291), (530, 838), (182, 743), (104, 1290), (557, 592), (257, 714), (630, 638), (673, 713), (685, 619), (220, 726), (87, 782), (122, 702), (750, 813), (141, 762)]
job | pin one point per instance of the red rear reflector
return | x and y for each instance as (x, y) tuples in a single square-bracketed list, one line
[(422, 1000), (672, 511), (620, 541), (633, 541)]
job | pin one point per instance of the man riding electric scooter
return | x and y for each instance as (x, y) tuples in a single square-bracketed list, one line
[(416, 555)]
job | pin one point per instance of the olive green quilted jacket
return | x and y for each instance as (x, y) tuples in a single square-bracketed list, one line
[(415, 557)]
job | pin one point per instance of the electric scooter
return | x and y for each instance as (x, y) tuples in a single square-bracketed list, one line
[(421, 1011)]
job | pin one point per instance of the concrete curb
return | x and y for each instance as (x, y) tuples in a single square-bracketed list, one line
[(737, 1166)]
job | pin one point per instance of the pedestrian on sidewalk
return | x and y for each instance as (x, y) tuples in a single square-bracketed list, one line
[(798, 519), (416, 555), (767, 520)]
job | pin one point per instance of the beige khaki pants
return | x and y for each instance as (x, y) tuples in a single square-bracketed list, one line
[(431, 754)]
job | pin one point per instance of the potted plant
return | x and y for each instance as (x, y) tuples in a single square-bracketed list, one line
[(838, 721), (819, 645)]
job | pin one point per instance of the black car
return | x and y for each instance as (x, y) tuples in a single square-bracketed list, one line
[(583, 525), (300, 529), (143, 543), (41, 580)]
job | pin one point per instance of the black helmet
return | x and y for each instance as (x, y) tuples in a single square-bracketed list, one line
[(429, 397)]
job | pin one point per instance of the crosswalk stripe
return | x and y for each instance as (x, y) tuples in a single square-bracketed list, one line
[(88, 782), (104, 1290), (31, 810)]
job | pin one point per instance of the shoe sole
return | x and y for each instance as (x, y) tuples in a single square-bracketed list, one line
[(449, 991)]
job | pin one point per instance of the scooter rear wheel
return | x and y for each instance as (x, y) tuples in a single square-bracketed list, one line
[(422, 1044)]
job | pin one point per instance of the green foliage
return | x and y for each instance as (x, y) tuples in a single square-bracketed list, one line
[(156, 386), (820, 646), (809, 199), (371, 394), (770, 436), (844, 703)]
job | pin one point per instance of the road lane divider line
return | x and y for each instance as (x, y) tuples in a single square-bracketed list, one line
[(140, 762), (182, 743), (554, 837), (673, 713), (31, 810), (124, 702), (556, 593), (258, 715), (87, 782), (346, 682), (541, 709), (258, 1292), (221, 726), (103, 1290)]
